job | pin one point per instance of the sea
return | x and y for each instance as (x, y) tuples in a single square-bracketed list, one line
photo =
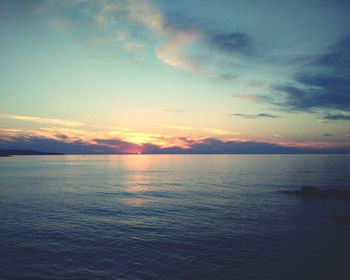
[(172, 217)]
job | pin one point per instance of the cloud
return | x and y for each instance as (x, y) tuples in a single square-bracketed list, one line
[(228, 77), (336, 117), (176, 145), (116, 145), (255, 116), (172, 52), (337, 56), (317, 92), (255, 98), (210, 130), (49, 121), (179, 41), (144, 13), (233, 43), (133, 47), (178, 127), (125, 22), (54, 145), (119, 36), (323, 83), (186, 31), (219, 131), (200, 46), (89, 134)]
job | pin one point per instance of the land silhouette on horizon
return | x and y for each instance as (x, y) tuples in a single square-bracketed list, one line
[(15, 152)]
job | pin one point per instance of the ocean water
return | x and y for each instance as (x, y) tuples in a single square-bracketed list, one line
[(172, 217)]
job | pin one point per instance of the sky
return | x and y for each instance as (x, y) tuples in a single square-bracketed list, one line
[(200, 76)]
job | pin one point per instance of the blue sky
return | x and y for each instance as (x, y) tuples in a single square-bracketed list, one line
[(146, 76)]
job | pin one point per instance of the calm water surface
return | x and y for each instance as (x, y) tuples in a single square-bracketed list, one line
[(172, 217)]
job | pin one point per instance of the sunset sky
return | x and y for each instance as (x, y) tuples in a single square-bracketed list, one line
[(175, 76)]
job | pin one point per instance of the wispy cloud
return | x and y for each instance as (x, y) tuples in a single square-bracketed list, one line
[(210, 130), (178, 127), (61, 122), (172, 52), (144, 13), (255, 116), (336, 117), (133, 47), (219, 131), (255, 98), (233, 43), (119, 36)]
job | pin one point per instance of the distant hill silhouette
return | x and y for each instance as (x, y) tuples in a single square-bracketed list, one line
[(25, 152)]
